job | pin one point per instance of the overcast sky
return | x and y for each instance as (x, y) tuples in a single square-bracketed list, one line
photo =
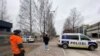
[(90, 9)]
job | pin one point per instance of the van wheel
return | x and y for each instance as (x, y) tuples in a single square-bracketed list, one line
[(92, 48), (65, 46)]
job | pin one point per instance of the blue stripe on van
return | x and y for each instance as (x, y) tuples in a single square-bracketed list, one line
[(65, 42), (91, 43)]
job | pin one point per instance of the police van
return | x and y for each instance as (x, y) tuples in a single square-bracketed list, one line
[(77, 40)]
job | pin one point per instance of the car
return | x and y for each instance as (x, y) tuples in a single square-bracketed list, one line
[(31, 39), (28, 39), (77, 40)]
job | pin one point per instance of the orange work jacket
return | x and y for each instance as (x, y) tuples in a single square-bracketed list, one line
[(15, 40)]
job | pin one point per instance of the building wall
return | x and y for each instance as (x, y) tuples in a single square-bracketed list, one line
[(5, 31), (5, 26), (82, 29), (94, 30)]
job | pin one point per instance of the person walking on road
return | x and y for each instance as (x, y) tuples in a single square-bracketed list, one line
[(46, 41), (16, 43)]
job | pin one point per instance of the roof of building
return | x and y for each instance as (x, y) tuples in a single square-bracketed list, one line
[(5, 24), (96, 24)]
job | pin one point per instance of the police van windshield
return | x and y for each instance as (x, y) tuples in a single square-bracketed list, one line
[(83, 37)]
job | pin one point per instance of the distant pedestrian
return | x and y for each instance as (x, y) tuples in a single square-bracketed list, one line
[(46, 41), (16, 43)]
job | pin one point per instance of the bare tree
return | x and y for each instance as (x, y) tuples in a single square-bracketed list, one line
[(36, 15), (26, 16), (74, 20), (50, 24), (45, 16), (44, 10), (3, 11), (67, 26)]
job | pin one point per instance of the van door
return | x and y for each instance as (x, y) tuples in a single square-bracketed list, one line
[(73, 40), (84, 41)]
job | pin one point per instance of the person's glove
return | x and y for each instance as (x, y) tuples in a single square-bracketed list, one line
[(22, 51)]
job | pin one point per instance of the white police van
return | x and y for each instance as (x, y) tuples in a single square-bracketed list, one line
[(77, 40)]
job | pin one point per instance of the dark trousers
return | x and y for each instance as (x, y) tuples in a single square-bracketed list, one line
[(46, 43), (21, 54)]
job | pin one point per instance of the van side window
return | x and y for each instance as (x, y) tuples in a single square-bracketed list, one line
[(74, 37)]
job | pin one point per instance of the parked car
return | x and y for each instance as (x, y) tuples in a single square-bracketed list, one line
[(30, 39), (77, 40)]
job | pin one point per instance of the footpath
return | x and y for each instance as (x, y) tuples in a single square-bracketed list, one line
[(54, 50)]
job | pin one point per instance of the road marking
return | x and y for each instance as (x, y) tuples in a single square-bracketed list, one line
[(64, 52)]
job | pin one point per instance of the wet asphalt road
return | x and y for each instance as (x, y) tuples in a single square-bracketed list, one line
[(81, 52), (57, 51)]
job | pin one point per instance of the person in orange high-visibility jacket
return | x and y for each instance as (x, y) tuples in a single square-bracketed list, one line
[(16, 43)]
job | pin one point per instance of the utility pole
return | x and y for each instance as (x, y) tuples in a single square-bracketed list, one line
[(30, 17)]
